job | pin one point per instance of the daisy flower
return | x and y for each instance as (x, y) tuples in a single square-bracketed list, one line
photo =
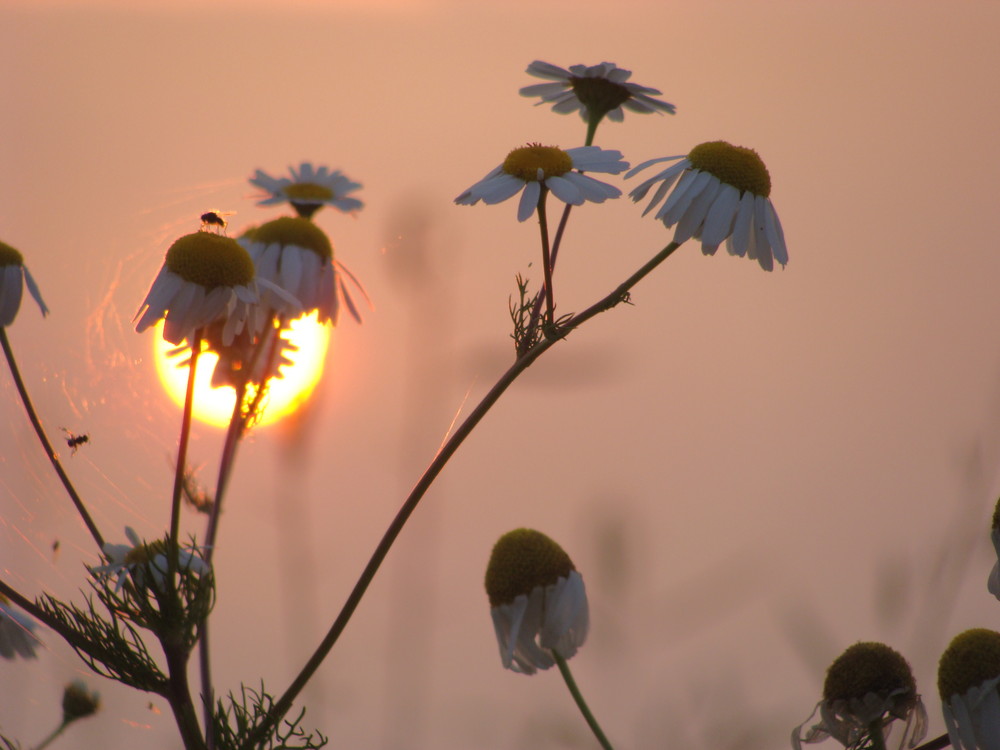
[(17, 632), (969, 684), (537, 599), (14, 275), (528, 169), (296, 255), (867, 689), (139, 558), (79, 701), (205, 278), (720, 193), (593, 90), (308, 189)]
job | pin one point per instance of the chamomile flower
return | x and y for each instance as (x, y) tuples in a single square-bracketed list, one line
[(308, 189), (720, 193), (867, 689), (295, 254), (529, 169), (206, 278), (17, 632), (14, 275), (969, 684), (139, 559), (537, 600), (593, 90)]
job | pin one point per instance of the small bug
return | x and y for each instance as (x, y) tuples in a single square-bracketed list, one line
[(215, 221), (75, 441)]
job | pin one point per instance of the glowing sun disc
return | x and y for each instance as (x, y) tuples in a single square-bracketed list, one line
[(284, 395)]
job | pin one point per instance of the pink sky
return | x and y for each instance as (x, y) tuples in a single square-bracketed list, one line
[(752, 471)]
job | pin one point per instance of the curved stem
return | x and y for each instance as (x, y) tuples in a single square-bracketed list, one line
[(580, 702), (617, 296), (175, 505), (52, 736), (543, 225), (46, 445)]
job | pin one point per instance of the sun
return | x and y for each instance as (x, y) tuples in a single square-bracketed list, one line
[(214, 406)]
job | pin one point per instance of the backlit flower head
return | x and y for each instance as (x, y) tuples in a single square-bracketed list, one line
[(593, 90), (308, 189), (146, 562), (295, 254), (994, 581), (867, 689), (532, 167), (206, 278), (79, 701), (969, 685), (537, 599), (17, 632), (13, 276), (720, 193)]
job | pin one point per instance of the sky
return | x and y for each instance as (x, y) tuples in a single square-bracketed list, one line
[(751, 471)]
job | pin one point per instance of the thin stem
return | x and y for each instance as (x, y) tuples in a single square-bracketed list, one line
[(543, 225), (173, 559), (875, 734), (580, 702), (617, 296), (937, 743), (55, 733), (46, 445)]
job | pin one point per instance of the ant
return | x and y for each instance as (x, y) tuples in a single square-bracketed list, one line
[(216, 219), (75, 441)]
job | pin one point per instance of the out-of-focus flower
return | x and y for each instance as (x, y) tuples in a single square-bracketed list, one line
[(994, 581), (969, 685), (17, 632), (721, 194), (79, 701), (13, 276), (593, 90), (533, 167), (308, 189), (867, 689), (537, 599), (296, 255), (141, 558), (205, 278)]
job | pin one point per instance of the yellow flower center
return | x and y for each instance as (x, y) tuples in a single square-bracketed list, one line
[(734, 165), (307, 192), (296, 231), (523, 560), (9, 256), (211, 260), (867, 668), (525, 162), (972, 658), (143, 553), (599, 95)]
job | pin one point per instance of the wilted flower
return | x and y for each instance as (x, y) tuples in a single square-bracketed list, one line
[(308, 189), (537, 599), (867, 688), (17, 632), (533, 167), (593, 90), (141, 558), (79, 702), (205, 278), (969, 681), (13, 276), (721, 194)]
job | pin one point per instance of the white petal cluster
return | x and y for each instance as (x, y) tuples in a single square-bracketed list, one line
[(13, 278), (17, 633), (135, 559), (281, 189)]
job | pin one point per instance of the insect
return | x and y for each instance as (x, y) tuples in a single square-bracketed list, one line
[(215, 221), (75, 441)]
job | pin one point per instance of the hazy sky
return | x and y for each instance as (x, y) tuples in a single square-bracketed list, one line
[(752, 471)]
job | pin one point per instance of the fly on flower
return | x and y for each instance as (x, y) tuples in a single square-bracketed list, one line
[(215, 221)]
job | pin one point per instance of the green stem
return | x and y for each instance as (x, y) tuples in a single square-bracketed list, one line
[(580, 702), (543, 225), (616, 297), (46, 445), (55, 733), (173, 559), (875, 734)]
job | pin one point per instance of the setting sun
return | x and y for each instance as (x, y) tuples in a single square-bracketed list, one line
[(285, 394)]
